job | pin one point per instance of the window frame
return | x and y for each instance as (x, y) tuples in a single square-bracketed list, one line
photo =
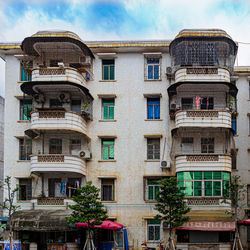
[(154, 226), (154, 185), (155, 106), (74, 143), (56, 145), (153, 65), (182, 183), (112, 185), (25, 109), (109, 66), (152, 142), (205, 146), (28, 191), (25, 150), (109, 108), (108, 146), (24, 74)]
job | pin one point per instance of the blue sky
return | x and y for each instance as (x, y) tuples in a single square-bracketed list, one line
[(124, 20)]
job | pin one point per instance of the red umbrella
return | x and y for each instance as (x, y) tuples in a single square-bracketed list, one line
[(107, 224), (245, 222)]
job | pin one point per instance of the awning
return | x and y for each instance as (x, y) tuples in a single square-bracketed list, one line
[(245, 222), (4, 219), (107, 224), (208, 226), (41, 220)]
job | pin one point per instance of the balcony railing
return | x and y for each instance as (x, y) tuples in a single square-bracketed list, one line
[(203, 118), (58, 74), (57, 163), (201, 162), (204, 201), (56, 120), (55, 201), (195, 74)]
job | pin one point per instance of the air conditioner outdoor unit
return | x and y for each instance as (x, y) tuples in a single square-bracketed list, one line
[(165, 164), (85, 59), (85, 154)]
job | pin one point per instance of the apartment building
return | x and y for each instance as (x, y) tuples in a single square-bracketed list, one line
[(124, 114)]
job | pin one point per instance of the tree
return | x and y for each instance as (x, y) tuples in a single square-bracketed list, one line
[(87, 209), (8, 205), (236, 194), (171, 206)]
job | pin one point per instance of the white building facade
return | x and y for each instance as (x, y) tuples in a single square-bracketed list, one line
[(125, 114)]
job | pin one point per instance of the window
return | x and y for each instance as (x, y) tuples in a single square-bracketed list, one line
[(152, 189), (76, 106), (107, 189), (207, 103), (108, 69), (108, 106), (207, 145), (75, 146), (25, 109), (153, 230), (234, 125), (234, 159), (248, 195), (153, 108), (54, 187), (25, 149), (187, 145), (72, 185), (25, 75), (108, 149), (55, 103), (54, 63), (153, 149), (153, 68), (212, 183), (186, 103), (55, 146), (25, 189)]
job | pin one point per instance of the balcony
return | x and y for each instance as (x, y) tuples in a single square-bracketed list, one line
[(202, 162), (197, 74), (60, 74), (206, 201), (203, 118), (57, 163), (58, 120)]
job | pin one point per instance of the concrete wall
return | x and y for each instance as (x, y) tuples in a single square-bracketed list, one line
[(1, 147)]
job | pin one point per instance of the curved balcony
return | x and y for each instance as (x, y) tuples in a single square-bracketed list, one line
[(204, 74), (203, 118), (58, 119), (58, 74), (202, 162), (57, 163)]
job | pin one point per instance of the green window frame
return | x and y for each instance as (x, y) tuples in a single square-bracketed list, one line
[(153, 230), (108, 149), (24, 74), (204, 183), (108, 106), (25, 109), (108, 69), (153, 189)]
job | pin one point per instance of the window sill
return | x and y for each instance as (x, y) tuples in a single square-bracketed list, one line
[(153, 201), (109, 201), (23, 160), (152, 160), (234, 170), (107, 120), (107, 80), (152, 80), (152, 120), (106, 160), (23, 121), (23, 201)]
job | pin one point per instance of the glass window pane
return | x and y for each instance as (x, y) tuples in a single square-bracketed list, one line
[(150, 193), (197, 188), (226, 188), (180, 176), (189, 188), (111, 113), (157, 232), (105, 153), (105, 112), (197, 175), (208, 188), (156, 72), (217, 175), (157, 112), (111, 152), (105, 72), (150, 72), (112, 72), (216, 188), (226, 176), (188, 175), (157, 190), (208, 175)]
